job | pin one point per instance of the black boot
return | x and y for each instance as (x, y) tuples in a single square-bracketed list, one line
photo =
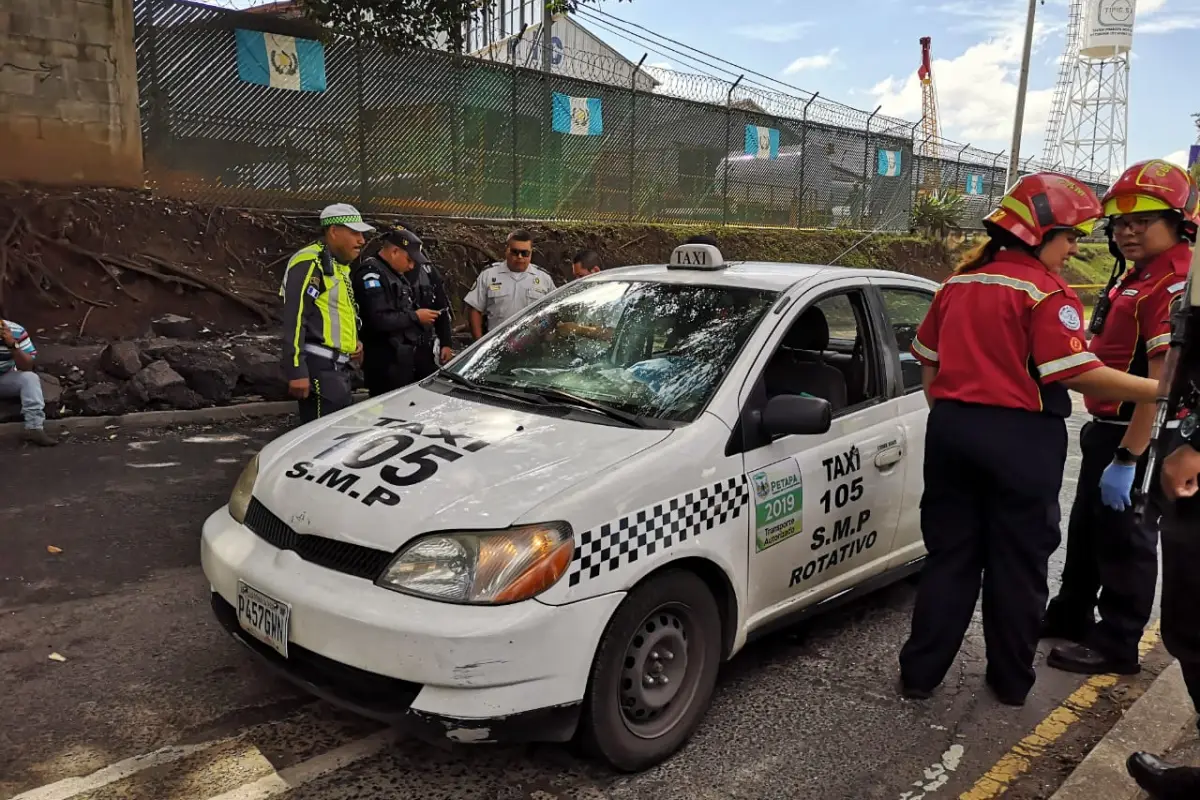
[(1084, 660), (1163, 781)]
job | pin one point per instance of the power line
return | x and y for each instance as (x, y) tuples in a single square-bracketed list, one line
[(594, 14)]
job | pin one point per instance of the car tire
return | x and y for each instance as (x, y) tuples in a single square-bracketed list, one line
[(654, 672)]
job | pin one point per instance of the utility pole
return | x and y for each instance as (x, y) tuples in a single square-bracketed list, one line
[(547, 39), (1014, 163)]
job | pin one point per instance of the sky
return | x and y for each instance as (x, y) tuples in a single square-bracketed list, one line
[(866, 53)]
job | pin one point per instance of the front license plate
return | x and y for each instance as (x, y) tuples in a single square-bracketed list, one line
[(264, 618)]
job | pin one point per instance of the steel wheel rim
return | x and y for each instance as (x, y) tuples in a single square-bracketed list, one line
[(660, 671)]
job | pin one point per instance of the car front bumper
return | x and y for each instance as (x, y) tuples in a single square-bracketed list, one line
[(446, 672)]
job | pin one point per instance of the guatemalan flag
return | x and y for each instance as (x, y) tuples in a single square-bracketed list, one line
[(974, 184), (576, 116), (281, 62), (889, 163), (762, 142)]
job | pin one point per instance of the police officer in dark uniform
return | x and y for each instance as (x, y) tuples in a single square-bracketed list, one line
[(397, 329), (1108, 551), (999, 348), (430, 288)]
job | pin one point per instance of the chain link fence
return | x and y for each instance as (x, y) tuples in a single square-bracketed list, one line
[(426, 132)]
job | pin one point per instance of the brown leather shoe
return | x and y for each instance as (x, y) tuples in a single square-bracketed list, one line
[(39, 437)]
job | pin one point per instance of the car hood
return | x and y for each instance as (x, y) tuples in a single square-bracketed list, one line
[(417, 461)]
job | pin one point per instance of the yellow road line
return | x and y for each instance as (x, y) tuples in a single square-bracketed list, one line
[(1020, 758)]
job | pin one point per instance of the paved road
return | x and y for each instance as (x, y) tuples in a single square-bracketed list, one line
[(806, 714)]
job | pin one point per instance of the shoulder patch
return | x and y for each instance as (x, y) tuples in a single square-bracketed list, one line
[(1069, 317), (369, 275), (372, 283)]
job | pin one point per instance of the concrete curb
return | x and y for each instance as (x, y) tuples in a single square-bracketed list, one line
[(1159, 720), (157, 419)]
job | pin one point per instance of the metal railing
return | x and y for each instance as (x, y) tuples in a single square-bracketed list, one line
[(425, 132)]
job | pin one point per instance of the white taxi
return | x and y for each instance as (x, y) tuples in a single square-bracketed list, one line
[(565, 531)]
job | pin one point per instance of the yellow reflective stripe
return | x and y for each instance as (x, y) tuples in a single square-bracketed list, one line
[(303, 254), (347, 316), (1020, 209), (299, 332), (1003, 280), (1063, 364), (923, 351), (1158, 341)]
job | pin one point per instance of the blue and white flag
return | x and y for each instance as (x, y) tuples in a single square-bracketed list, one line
[(975, 184), (281, 62), (762, 142), (577, 116), (889, 163)]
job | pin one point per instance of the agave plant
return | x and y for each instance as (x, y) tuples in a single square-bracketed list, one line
[(938, 212)]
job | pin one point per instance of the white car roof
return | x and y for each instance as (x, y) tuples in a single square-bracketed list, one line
[(770, 275)]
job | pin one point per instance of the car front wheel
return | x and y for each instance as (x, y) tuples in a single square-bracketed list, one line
[(654, 672)]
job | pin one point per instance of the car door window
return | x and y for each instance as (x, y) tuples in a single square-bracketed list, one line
[(828, 353), (905, 309)]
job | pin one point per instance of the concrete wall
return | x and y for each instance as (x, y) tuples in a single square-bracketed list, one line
[(68, 93)]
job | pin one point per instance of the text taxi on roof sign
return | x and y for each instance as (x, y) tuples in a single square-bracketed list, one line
[(564, 534)]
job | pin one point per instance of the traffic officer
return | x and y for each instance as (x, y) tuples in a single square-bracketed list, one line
[(397, 326), (320, 324), (506, 288), (999, 348), (1152, 221)]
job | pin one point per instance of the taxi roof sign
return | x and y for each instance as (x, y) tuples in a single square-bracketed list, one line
[(696, 256)]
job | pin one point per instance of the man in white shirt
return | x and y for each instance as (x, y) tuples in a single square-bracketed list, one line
[(506, 288)]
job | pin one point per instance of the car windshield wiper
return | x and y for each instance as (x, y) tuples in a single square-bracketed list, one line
[(487, 388), (592, 405)]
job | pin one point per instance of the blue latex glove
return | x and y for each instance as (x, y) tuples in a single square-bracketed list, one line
[(1115, 485)]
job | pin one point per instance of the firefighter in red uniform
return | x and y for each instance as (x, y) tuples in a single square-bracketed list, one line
[(999, 348), (1152, 211)]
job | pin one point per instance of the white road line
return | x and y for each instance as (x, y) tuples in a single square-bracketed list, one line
[(159, 465), (306, 771), (70, 787)]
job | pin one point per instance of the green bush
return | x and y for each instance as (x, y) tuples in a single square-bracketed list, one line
[(938, 212)]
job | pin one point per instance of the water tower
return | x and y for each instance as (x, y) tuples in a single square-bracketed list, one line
[(1088, 124)]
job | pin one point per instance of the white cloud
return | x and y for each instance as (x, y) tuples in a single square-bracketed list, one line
[(1179, 157), (977, 90), (1147, 7), (773, 33), (1167, 25), (819, 61)]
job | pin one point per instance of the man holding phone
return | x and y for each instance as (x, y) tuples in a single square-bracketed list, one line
[(397, 333)]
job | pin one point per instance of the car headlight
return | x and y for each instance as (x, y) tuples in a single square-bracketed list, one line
[(488, 567), (239, 499)]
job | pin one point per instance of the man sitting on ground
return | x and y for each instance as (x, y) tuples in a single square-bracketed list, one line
[(17, 379)]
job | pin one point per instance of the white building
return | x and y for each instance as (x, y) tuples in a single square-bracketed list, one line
[(576, 52)]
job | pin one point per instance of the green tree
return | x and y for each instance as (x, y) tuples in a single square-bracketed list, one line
[(419, 22)]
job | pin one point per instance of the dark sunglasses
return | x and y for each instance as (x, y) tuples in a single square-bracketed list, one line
[(520, 253)]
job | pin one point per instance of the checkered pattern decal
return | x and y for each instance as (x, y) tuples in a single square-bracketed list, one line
[(657, 527)]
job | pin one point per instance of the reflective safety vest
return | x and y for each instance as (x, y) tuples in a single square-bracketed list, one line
[(319, 305)]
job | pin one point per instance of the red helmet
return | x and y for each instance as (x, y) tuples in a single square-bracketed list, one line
[(1155, 185), (1044, 202)]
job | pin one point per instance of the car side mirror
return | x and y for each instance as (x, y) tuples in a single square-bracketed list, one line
[(793, 414)]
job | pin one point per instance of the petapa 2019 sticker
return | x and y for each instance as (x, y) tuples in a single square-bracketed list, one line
[(778, 503)]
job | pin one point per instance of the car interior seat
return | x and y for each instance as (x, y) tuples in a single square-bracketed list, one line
[(799, 366)]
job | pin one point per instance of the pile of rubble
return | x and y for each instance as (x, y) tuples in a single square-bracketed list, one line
[(182, 366)]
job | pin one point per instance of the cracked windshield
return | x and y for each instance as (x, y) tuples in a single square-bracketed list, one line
[(655, 350)]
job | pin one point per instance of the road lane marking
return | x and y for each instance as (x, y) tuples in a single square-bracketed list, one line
[(159, 465), (1020, 758), (937, 775), (70, 787), (306, 771)]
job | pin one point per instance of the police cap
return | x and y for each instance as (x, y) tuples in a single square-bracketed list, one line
[(407, 241)]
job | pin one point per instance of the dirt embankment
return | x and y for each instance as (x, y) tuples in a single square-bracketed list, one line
[(85, 268)]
